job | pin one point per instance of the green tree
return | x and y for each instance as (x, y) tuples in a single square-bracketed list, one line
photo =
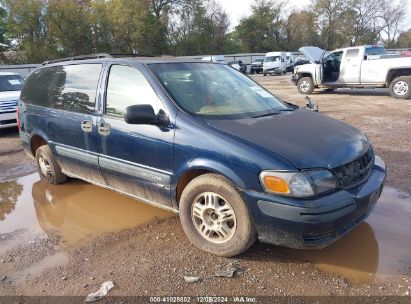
[(198, 27), (27, 27), (69, 27), (336, 21), (301, 30), (263, 30), (404, 39)]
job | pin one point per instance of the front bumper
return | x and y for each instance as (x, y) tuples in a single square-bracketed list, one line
[(273, 71), (316, 222), (257, 69)]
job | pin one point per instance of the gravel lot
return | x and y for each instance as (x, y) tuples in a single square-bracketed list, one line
[(53, 250)]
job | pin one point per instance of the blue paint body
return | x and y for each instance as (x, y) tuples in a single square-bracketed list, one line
[(147, 161)]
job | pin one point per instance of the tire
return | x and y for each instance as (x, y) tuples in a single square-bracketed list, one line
[(196, 215), (47, 166), (400, 87), (264, 74), (284, 72), (305, 85)]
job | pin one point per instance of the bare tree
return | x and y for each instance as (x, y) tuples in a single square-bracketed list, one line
[(391, 16), (366, 25)]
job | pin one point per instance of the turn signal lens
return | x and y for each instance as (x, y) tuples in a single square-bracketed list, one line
[(276, 184)]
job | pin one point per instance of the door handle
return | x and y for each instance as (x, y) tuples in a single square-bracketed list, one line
[(87, 126), (104, 128)]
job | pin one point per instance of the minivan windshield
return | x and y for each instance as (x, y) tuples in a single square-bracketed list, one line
[(215, 91), (11, 83), (272, 58)]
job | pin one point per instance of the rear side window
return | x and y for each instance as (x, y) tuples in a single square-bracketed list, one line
[(10, 83), (71, 87), (128, 86)]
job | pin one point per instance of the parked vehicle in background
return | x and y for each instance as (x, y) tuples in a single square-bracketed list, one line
[(290, 61), (10, 86), (355, 67), (238, 65), (214, 58), (203, 140), (257, 66), (275, 63), (406, 53)]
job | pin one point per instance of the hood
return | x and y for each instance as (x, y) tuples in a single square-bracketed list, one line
[(307, 139), (313, 53), (9, 95)]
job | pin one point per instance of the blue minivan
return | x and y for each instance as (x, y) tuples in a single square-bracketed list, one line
[(205, 141)]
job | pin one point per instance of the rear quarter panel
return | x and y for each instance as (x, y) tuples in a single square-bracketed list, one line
[(375, 71)]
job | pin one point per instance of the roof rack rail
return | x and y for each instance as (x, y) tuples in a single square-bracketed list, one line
[(81, 57), (119, 55)]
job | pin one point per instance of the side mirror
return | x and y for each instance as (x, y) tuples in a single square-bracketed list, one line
[(311, 105), (144, 115)]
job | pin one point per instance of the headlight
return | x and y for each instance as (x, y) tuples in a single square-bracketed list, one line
[(297, 183)]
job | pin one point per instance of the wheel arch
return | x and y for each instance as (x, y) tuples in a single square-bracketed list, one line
[(196, 168), (36, 141), (396, 72), (305, 74)]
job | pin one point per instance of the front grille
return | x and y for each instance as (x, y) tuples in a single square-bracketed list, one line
[(8, 106), (355, 172)]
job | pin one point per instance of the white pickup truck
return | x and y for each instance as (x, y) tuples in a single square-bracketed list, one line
[(365, 66)]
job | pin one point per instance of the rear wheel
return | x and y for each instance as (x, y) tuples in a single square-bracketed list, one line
[(48, 168), (305, 85), (400, 87), (215, 217)]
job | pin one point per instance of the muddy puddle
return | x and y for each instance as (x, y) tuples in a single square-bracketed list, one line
[(76, 212), (379, 247)]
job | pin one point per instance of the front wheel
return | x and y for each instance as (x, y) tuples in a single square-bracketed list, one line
[(215, 217), (400, 87), (305, 85)]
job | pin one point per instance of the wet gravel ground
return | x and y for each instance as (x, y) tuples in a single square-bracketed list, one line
[(154, 258)]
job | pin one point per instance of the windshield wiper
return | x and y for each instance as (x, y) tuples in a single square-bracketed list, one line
[(266, 114)]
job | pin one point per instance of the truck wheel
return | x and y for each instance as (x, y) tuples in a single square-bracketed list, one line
[(400, 87), (48, 168), (305, 85), (215, 217), (264, 74)]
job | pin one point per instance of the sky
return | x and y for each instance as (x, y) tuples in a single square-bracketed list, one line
[(237, 9)]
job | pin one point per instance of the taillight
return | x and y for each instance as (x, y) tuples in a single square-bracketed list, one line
[(18, 118)]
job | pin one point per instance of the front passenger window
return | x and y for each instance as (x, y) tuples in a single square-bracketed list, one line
[(127, 86)]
